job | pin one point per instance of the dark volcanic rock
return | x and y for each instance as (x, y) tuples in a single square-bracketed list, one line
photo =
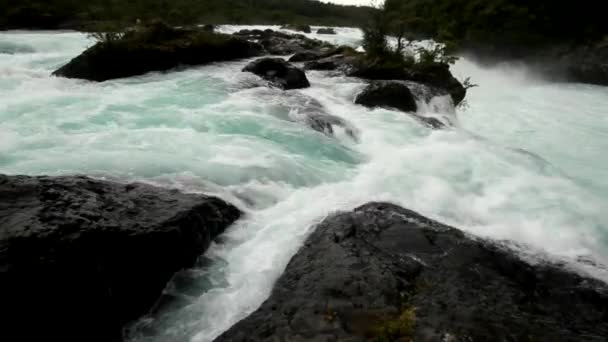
[(327, 30), (279, 43), (384, 273), (155, 48), (79, 258), (279, 72), (300, 28), (388, 94)]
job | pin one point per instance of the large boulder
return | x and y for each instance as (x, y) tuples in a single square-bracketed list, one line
[(80, 258), (327, 30), (385, 273), (297, 27), (156, 47), (280, 43), (396, 95), (388, 94), (437, 75), (279, 73)]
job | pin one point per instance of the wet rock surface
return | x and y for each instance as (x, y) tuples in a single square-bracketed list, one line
[(80, 258), (388, 94), (282, 44), (385, 273), (279, 73), (399, 95), (316, 116), (156, 47)]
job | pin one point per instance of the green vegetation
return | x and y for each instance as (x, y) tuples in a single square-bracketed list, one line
[(379, 52), (401, 328), (179, 12), (506, 23)]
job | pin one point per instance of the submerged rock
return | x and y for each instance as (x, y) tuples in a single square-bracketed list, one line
[(279, 72), (80, 258), (316, 117), (327, 30), (156, 47), (385, 273)]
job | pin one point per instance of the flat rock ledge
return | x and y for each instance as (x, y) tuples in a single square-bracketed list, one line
[(385, 273), (80, 258)]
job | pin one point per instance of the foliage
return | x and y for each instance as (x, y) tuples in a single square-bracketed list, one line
[(438, 54), (375, 43), (514, 23), (467, 84), (398, 329), (185, 12), (375, 36), (106, 37)]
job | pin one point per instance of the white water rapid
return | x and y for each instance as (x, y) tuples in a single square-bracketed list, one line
[(524, 162)]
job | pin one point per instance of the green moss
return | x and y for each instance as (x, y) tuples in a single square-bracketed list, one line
[(400, 328)]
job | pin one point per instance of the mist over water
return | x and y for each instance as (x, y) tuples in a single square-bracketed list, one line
[(523, 163)]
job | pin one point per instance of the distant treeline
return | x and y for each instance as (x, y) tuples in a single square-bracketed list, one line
[(504, 22), (179, 12)]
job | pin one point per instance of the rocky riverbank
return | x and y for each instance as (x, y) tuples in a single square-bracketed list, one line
[(80, 258), (385, 273)]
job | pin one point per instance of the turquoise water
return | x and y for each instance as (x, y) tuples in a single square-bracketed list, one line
[(523, 162)]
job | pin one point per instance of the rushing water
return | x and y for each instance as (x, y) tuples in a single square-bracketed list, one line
[(524, 162)]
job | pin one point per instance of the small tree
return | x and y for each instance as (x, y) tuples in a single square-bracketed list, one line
[(106, 37), (375, 35)]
